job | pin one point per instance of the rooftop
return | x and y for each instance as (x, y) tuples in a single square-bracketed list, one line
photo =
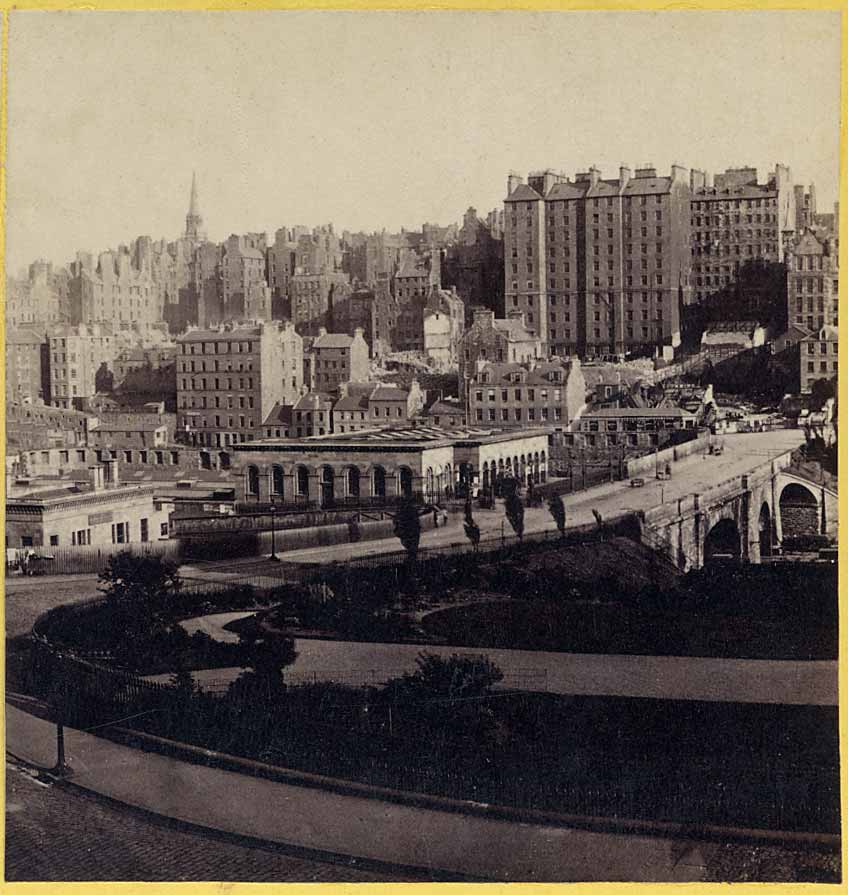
[(636, 412), (404, 438), (333, 340)]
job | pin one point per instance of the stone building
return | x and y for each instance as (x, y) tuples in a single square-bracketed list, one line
[(80, 358), (369, 405), (443, 325), (42, 299), (242, 276), (740, 230), (812, 281), (597, 266), (312, 297), (229, 379), (501, 341), (376, 467), (513, 396), (114, 291), (474, 263), (97, 513), (819, 357), (377, 255), (630, 427), (311, 415), (27, 365), (336, 358), (417, 277)]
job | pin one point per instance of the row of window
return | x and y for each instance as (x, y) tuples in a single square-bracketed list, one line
[(216, 347), (215, 367), (730, 204), (243, 422), (200, 384), (822, 348), (544, 414)]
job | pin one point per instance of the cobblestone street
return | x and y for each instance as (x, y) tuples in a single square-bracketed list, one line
[(103, 842)]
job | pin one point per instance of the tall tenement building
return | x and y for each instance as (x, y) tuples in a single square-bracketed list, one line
[(812, 288), (740, 231), (229, 379), (598, 266)]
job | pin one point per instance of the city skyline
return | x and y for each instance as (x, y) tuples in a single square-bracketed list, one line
[(310, 149)]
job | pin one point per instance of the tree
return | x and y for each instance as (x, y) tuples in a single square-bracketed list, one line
[(599, 521), (556, 507), (407, 527), (265, 656), (446, 678), (143, 581), (472, 529), (513, 506)]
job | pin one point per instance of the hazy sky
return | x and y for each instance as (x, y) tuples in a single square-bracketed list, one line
[(384, 119)]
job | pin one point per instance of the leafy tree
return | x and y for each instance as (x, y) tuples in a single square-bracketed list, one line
[(262, 682), (599, 521), (472, 529), (513, 506), (820, 391), (144, 581), (454, 677), (556, 507), (407, 526)]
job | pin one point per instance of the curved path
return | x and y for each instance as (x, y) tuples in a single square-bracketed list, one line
[(575, 674), (416, 837)]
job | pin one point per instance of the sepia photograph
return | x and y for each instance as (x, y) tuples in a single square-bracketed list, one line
[(421, 446)]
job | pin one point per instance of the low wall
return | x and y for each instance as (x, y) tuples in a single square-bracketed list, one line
[(80, 560), (657, 460)]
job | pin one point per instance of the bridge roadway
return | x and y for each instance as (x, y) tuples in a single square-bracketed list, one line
[(690, 475)]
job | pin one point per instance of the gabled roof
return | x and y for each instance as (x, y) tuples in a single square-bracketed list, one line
[(523, 193), (563, 191), (824, 334), (333, 340), (443, 408), (514, 329), (412, 266), (314, 401), (642, 186), (280, 415), (351, 402), (389, 393)]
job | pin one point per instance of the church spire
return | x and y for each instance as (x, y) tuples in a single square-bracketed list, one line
[(192, 205), (194, 221)]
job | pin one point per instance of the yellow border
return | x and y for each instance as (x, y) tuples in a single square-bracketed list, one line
[(216, 888)]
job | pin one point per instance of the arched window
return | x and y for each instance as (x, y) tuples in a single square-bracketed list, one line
[(327, 486), (405, 481), (302, 481), (353, 482), (379, 481), (277, 480), (253, 481)]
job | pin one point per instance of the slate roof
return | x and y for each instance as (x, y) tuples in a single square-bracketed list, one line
[(333, 340)]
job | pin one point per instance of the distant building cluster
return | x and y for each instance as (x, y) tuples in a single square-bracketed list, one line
[(192, 344)]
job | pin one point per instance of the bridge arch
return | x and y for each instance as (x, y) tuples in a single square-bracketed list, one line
[(723, 539), (799, 511)]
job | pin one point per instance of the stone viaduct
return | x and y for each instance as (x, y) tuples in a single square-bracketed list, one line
[(748, 517)]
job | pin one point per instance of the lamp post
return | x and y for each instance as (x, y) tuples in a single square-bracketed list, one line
[(274, 533)]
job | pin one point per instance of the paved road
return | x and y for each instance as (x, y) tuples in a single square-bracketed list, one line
[(576, 674), (417, 837), (109, 842), (691, 475)]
